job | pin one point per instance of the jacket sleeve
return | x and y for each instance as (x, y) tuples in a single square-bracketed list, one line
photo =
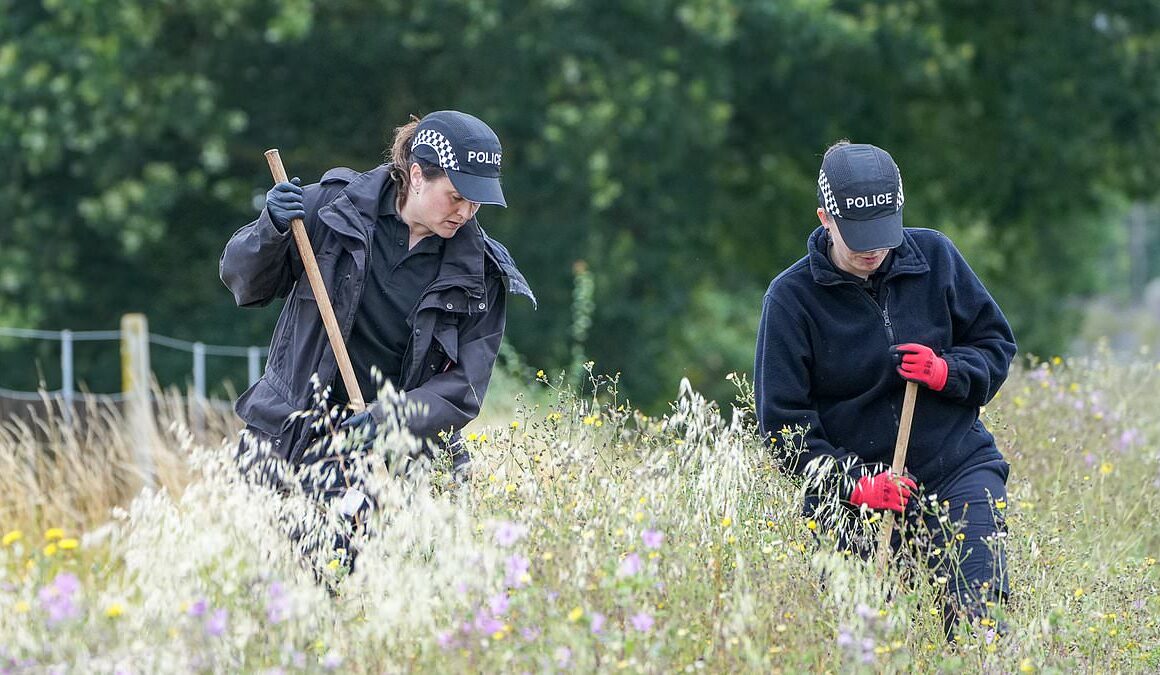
[(781, 381), (260, 263), (983, 347), (454, 397)]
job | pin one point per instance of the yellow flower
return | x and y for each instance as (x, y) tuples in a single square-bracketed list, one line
[(575, 614), (473, 437), (1055, 361), (1078, 593), (68, 544), (515, 424), (540, 374), (21, 606), (53, 533), (554, 416), (332, 565), (50, 550), (1001, 504), (811, 525), (509, 488), (114, 610), (589, 420), (1106, 468), (547, 555), (960, 536), (726, 521), (12, 537)]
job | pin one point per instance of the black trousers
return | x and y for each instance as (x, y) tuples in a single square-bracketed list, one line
[(958, 534)]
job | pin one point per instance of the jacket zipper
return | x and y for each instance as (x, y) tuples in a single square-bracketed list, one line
[(886, 314), (883, 310)]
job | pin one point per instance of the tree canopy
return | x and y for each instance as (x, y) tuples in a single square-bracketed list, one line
[(671, 145)]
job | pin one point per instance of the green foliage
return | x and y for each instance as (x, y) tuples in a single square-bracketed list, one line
[(672, 145)]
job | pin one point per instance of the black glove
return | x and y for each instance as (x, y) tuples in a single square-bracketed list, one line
[(360, 420), (284, 202)]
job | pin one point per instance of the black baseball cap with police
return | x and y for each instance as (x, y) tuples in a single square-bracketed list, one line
[(467, 149), (861, 187)]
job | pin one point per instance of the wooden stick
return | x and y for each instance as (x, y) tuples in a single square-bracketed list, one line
[(306, 252), (900, 446)]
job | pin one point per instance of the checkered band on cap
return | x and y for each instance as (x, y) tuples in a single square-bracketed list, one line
[(828, 194), (901, 199), (439, 143)]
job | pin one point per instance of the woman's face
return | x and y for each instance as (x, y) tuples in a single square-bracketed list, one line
[(858, 263), (438, 208)]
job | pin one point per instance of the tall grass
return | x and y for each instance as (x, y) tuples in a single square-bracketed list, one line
[(590, 537)]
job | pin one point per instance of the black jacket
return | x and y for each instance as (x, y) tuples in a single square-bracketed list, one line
[(456, 327), (823, 358)]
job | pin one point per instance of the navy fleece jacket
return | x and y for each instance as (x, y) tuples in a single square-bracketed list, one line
[(823, 358)]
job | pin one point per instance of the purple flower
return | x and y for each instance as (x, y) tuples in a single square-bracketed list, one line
[(642, 622), (989, 636), (1089, 459), (1140, 604), (446, 639), (845, 639), (530, 634), (630, 565), (498, 604), (278, 606), (56, 599), (868, 645), (216, 624), (199, 607), (864, 610), (508, 533), (1129, 438), (652, 538), (563, 656), (597, 622), (331, 661), (486, 623), (517, 567)]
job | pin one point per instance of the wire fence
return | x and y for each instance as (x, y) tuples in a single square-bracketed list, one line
[(199, 352)]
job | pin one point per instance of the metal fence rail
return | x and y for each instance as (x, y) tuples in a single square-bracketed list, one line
[(67, 392)]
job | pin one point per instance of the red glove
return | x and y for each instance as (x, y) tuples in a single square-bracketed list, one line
[(886, 490), (920, 364)]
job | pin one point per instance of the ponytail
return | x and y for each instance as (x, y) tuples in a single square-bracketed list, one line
[(401, 159)]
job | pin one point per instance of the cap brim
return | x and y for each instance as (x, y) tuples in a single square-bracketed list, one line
[(871, 235), (479, 189)]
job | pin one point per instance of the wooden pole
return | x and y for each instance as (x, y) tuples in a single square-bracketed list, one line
[(136, 378), (306, 252), (899, 465)]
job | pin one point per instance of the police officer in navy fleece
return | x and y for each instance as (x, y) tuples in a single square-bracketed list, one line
[(870, 306)]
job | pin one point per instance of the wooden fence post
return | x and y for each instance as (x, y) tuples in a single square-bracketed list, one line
[(136, 378)]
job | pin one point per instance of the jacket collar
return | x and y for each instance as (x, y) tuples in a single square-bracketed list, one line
[(372, 193), (906, 258)]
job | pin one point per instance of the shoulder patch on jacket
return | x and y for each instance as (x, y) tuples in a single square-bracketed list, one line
[(339, 174)]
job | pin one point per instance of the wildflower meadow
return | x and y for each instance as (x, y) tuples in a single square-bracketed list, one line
[(588, 537)]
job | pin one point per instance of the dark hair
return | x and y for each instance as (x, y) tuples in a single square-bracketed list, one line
[(401, 159)]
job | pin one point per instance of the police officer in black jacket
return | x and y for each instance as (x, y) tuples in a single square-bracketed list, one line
[(418, 289), (870, 306)]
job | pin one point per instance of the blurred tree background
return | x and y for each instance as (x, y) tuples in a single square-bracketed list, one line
[(672, 146)]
